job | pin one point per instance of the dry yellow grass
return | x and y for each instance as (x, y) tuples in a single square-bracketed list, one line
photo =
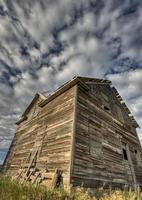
[(10, 190), (100, 194)]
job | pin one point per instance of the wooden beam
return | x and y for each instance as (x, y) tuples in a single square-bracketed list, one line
[(73, 132), (131, 167), (23, 118), (97, 83)]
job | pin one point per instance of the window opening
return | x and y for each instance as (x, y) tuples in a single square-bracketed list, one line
[(125, 154), (136, 151), (106, 108)]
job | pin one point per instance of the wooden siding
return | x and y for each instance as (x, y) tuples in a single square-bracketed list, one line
[(82, 129), (98, 157), (48, 128)]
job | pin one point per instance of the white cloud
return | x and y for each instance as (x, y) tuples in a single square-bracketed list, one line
[(130, 81), (94, 41), (4, 144)]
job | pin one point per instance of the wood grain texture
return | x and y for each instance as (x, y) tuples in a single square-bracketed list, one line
[(98, 159), (48, 128), (83, 129)]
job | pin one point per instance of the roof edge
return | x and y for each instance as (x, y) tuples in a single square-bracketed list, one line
[(67, 85), (23, 118), (92, 80), (24, 115), (63, 88), (37, 95)]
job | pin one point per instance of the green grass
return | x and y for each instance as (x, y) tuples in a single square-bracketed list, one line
[(11, 190)]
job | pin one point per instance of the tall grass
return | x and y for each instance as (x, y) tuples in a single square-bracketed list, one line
[(101, 194), (11, 190)]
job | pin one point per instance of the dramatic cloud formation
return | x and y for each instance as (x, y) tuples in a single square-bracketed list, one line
[(44, 43)]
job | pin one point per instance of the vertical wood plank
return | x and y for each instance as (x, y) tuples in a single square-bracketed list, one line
[(131, 166), (73, 132)]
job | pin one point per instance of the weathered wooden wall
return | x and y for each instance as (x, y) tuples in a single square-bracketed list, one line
[(49, 128), (83, 131), (100, 134)]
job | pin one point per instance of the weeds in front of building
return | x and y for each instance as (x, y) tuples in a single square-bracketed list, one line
[(12, 190)]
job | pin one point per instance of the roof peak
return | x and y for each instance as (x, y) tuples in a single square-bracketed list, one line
[(80, 80)]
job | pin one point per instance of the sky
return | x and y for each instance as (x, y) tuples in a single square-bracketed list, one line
[(44, 43)]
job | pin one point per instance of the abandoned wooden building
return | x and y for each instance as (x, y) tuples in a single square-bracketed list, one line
[(83, 130)]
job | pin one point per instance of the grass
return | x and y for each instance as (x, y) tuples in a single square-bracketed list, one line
[(101, 194), (11, 190)]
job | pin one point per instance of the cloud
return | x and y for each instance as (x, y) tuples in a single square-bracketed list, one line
[(44, 43), (130, 81)]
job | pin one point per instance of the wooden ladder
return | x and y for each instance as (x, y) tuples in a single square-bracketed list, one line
[(30, 172)]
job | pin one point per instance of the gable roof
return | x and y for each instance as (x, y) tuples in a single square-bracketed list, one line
[(24, 115), (37, 95), (63, 88), (84, 82)]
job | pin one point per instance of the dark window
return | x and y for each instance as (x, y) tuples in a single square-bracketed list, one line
[(125, 154), (135, 151), (106, 108)]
